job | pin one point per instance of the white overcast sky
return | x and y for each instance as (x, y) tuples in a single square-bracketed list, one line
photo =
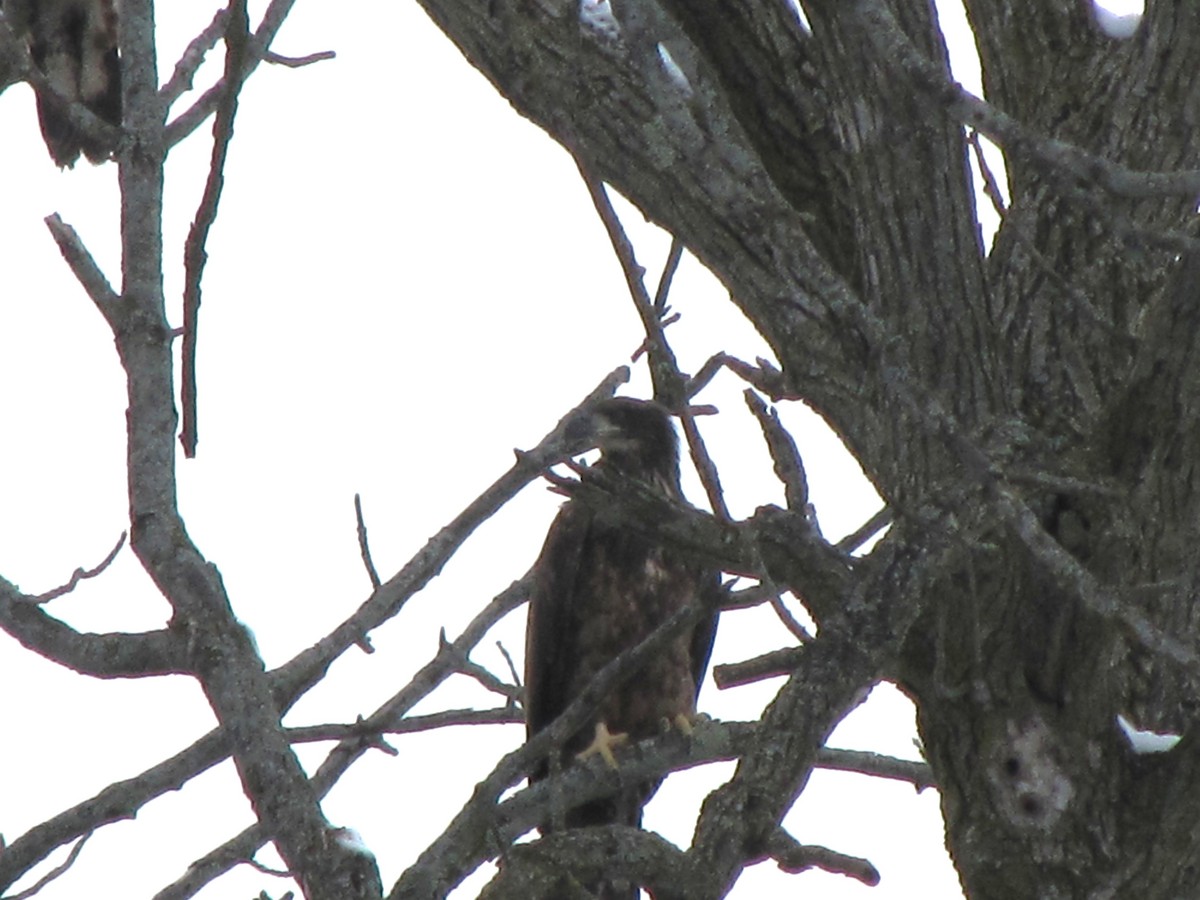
[(406, 281)]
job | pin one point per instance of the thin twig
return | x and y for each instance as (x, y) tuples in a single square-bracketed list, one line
[(866, 531), (794, 857), (789, 466), (265, 869), (662, 359), (798, 631), (669, 383), (705, 467), (188, 121), (82, 265), (465, 666), (512, 669), (334, 731), (189, 63), (363, 547), (769, 665), (747, 598), (55, 872), (296, 62), (118, 654), (765, 377), (80, 574), (991, 187), (877, 765), (237, 34), (708, 371), (668, 275), (644, 346)]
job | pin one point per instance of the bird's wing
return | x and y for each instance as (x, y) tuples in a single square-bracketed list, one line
[(552, 630), (709, 592)]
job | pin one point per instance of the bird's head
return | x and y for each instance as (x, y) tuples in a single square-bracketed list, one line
[(633, 436)]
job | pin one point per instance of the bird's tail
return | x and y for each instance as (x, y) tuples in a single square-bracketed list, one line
[(74, 45), (63, 139), (624, 808)]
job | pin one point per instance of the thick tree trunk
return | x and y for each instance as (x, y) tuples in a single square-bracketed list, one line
[(1035, 404)]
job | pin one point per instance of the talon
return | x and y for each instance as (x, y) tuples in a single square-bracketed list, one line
[(684, 723), (603, 744)]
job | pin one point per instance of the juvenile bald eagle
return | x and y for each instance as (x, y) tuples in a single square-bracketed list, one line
[(74, 45), (601, 588)]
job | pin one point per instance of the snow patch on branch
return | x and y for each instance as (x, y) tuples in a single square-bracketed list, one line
[(1143, 741), (801, 16), (674, 73), (351, 840), (597, 17)]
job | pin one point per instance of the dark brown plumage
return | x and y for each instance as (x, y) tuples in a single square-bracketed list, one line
[(600, 588), (74, 45)]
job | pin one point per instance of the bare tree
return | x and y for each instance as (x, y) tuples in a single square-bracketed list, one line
[(1025, 411)]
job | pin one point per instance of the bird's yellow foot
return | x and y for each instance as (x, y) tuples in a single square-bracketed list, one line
[(683, 722), (603, 744)]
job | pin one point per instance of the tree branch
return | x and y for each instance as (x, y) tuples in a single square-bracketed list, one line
[(54, 873), (189, 63), (789, 467), (502, 715), (187, 122), (81, 574), (297, 62), (195, 254), (794, 857), (738, 819), (111, 655), (83, 266), (363, 547), (1069, 161)]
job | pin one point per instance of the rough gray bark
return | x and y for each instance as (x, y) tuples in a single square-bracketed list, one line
[(1028, 413)]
